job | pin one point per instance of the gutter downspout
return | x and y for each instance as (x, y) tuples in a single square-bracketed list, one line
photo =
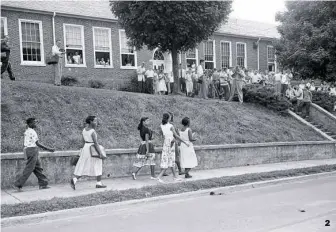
[(53, 25), (258, 54)]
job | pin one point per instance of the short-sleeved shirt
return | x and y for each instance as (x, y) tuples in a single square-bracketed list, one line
[(145, 130), (30, 138)]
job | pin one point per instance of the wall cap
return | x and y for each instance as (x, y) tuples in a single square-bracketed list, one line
[(121, 151), (319, 108)]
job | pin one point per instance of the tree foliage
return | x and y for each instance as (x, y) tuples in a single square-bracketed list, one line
[(307, 43), (173, 26)]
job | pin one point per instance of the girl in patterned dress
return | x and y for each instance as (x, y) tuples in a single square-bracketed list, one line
[(146, 152), (168, 149)]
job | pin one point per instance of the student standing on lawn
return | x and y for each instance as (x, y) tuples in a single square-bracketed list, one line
[(141, 77), (146, 152), (31, 153), (306, 101), (168, 149), (188, 156), (237, 84), (88, 165)]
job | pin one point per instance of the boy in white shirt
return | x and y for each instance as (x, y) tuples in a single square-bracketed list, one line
[(141, 77), (150, 80), (31, 153)]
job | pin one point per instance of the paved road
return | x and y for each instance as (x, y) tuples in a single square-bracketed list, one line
[(269, 209)]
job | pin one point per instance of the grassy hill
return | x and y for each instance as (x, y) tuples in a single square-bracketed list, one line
[(61, 112)]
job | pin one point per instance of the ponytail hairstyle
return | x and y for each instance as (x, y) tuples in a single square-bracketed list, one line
[(165, 118), (140, 126), (171, 116)]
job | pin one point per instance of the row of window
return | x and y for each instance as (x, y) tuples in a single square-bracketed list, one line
[(31, 41), (32, 53)]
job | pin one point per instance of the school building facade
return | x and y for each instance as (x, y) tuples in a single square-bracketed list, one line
[(96, 47)]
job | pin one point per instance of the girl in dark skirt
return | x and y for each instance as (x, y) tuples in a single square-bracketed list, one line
[(146, 152)]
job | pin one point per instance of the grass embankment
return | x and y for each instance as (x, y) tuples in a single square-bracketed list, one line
[(62, 110), (113, 196)]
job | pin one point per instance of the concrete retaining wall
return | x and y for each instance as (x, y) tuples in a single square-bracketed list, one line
[(323, 117), (119, 161)]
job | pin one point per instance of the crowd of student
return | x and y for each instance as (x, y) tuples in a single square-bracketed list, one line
[(177, 149)]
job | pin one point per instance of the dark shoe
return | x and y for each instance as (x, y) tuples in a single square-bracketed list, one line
[(165, 174), (17, 188), (188, 176), (72, 184), (44, 187), (100, 186), (182, 173)]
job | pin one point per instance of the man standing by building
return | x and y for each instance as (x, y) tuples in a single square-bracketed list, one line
[(56, 52), (200, 76), (141, 77), (182, 76), (5, 53), (149, 80)]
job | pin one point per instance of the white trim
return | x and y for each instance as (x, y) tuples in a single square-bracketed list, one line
[(270, 46), (32, 63), (5, 26), (245, 58), (196, 57), (94, 47), (134, 53), (83, 47), (230, 47), (214, 52)]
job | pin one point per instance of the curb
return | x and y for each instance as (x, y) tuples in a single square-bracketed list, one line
[(63, 214)]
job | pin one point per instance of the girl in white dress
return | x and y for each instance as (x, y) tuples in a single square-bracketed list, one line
[(189, 82), (168, 149), (162, 88), (188, 157), (88, 165)]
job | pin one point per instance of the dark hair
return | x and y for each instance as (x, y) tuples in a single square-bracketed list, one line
[(141, 122), (165, 118), (171, 116), (201, 61), (90, 119), (186, 121), (30, 120)]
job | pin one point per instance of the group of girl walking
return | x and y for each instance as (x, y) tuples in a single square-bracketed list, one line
[(174, 141)]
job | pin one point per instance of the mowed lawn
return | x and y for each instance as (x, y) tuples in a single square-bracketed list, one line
[(61, 112)]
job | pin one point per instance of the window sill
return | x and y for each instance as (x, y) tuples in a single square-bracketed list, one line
[(102, 67), (33, 64), (128, 67), (75, 66)]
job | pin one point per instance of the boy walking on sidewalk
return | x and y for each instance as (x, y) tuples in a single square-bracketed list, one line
[(31, 154)]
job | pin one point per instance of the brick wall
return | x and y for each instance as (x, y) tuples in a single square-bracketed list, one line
[(115, 76)]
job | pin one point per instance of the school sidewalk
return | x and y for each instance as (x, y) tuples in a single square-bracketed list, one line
[(11, 196)]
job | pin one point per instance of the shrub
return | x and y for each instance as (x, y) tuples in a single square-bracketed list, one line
[(132, 85), (69, 81), (324, 100), (96, 84), (265, 96)]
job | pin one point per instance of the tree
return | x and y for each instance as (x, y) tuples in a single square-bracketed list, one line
[(307, 43), (173, 26)]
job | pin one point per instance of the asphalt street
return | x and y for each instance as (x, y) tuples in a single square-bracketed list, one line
[(301, 206)]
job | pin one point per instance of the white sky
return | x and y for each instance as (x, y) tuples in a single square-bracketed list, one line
[(257, 10)]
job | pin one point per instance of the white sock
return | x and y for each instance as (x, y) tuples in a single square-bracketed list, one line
[(99, 183), (75, 180)]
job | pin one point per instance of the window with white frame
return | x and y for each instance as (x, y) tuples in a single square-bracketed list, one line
[(209, 54), (225, 51), (241, 54), (74, 45), (127, 53), (270, 58), (102, 47), (31, 41), (3, 27), (191, 57)]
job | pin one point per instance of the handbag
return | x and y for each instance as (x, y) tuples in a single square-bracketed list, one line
[(52, 59), (95, 154)]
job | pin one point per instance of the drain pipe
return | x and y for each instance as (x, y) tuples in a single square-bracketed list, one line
[(258, 54), (53, 25)]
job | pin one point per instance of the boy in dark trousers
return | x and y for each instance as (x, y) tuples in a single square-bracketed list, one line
[(31, 153)]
